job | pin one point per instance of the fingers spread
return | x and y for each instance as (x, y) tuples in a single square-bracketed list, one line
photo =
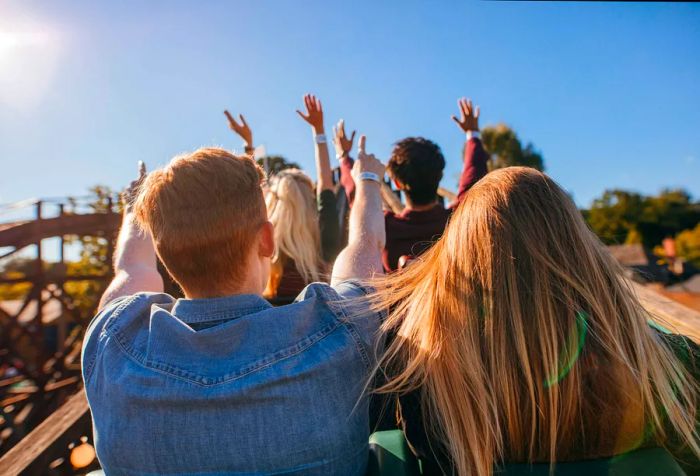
[(463, 107), (352, 137)]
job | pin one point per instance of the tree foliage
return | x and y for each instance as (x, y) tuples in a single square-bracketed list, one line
[(506, 149), (620, 216), (93, 259), (688, 245)]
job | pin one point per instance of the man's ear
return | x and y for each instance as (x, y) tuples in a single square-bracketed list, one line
[(266, 244)]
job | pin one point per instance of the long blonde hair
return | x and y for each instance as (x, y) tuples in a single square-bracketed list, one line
[(524, 339), (291, 207)]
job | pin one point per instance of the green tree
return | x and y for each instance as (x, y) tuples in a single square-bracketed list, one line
[(688, 245), (506, 149), (277, 163), (615, 215), (620, 216), (667, 214)]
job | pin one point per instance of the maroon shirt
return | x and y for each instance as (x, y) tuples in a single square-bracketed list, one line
[(412, 232)]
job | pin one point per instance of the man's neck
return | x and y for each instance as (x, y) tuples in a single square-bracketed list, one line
[(241, 288), (420, 208)]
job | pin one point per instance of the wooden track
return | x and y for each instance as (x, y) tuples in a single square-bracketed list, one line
[(671, 315), (21, 234)]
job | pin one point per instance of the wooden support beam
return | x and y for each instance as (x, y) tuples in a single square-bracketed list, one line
[(35, 452)]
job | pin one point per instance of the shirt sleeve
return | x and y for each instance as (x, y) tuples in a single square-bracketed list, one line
[(346, 180), (93, 331), (328, 225), (358, 313), (473, 169)]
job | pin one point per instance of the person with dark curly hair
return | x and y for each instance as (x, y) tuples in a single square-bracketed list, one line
[(416, 166)]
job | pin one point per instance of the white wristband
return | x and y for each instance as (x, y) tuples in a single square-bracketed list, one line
[(320, 138), (473, 135), (371, 176)]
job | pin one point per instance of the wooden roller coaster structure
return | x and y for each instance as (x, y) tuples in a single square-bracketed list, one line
[(40, 360)]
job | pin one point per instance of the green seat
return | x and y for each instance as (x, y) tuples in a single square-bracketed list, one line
[(390, 456), (642, 462)]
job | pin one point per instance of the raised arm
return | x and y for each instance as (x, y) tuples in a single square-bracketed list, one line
[(343, 146), (314, 117), (135, 265), (362, 257), (243, 130), (475, 156)]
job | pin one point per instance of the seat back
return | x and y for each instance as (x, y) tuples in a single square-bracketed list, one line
[(391, 456), (642, 462)]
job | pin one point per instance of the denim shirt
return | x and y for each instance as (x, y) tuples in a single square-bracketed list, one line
[(232, 385)]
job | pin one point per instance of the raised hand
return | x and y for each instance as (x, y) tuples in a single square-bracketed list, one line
[(242, 129), (131, 192), (314, 113), (366, 162), (469, 120), (342, 144)]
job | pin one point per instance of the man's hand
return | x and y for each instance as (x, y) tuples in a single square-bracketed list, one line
[(342, 144), (242, 129), (131, 192), (366, 162), (469, 120), (314, 113), (135, 264)]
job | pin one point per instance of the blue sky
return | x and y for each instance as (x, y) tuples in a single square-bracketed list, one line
[(608, 92)]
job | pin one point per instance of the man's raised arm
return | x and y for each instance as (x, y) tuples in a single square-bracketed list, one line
[(474, 166), (362, 257), (135, 265)]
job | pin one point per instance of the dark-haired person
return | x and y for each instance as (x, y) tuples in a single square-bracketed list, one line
[(416, 167), (221, 382)]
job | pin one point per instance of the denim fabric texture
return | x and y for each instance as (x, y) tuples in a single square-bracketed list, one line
[(232, 385)]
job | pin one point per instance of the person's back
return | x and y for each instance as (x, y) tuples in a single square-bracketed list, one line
[(516, 339), (230, 385), (221, 382)]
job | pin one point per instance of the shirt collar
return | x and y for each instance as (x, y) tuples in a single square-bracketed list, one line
[(438, 209), (191, 311)]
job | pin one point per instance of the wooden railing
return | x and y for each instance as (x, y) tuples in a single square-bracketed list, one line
[(53, 446)]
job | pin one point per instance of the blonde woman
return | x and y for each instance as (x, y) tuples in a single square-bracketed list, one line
[(517, 339), (305, 217)]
